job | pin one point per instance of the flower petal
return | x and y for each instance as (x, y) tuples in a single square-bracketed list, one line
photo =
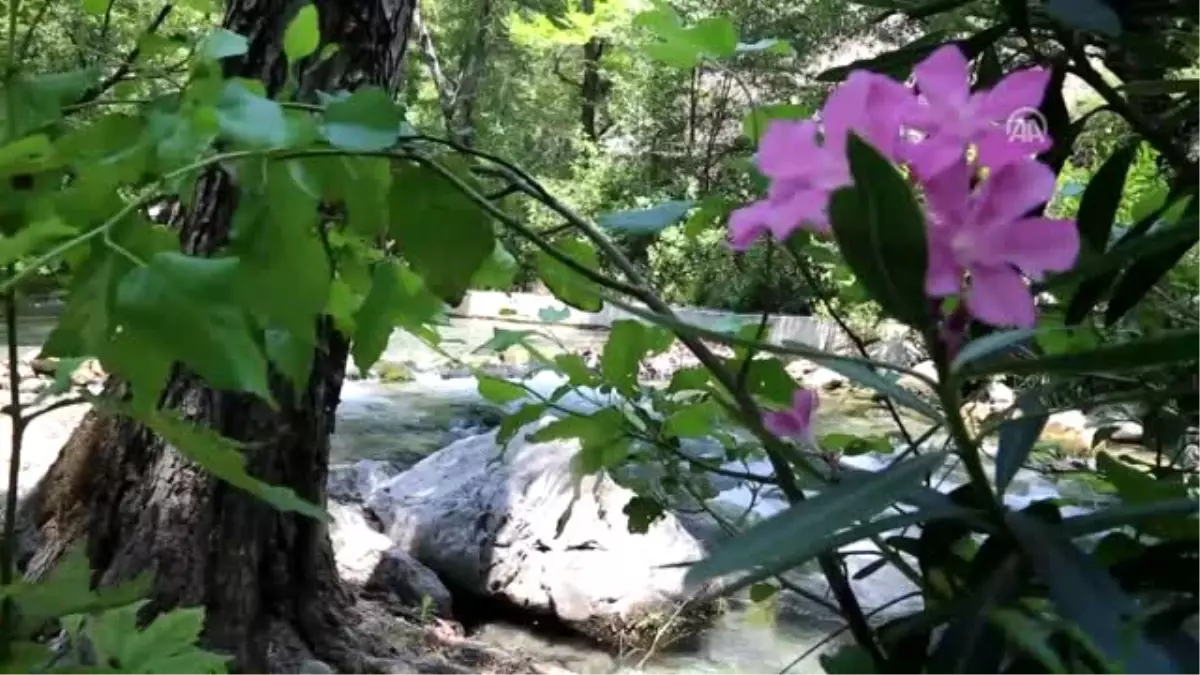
[(747, 224), (1011, 192), (872, 106), (999, 296), (934, 155), (785, 147), (804, 405), (783, 424), (948, 194), (944, 78), (943, 276), (1040, 245), (1020, 89), (1000, 147), (801, 209)]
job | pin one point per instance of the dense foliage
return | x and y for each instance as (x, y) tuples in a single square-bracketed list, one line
[(598, 150)]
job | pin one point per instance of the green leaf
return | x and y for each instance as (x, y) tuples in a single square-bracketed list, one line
[(221, 43), (1137, 487), (787, 539), (566, 284), (222, 458), (1030, 635), (303, 34), (714, 37), (95, 7), (86, 322), (362, 185), (1086, 595), (27, 657), (602, 438), (33, 238), (1141, 276), (498, 270), (848, 660), (443, 235), (396, 297), (768, 379), (292, 354), (646, 221), (695, 378), (284, 260), (880, 230), (251, 119), (755, 124), (31, 102), (711, 38), (1096, 16), (999, 341), (500, 391), (641, 513), (502, 339), (693, 420), (68, 590), (1130, 515), (863, 376), (364, 121), (1017, 438), (629, 341), (530, 412), (170, 633), (1165, 348), (1160, 87), (1098, 208), (181, 308), (552, 314)]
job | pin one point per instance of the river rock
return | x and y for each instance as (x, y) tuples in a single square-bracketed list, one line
[(915, 384), (366, 557), (511, 526)]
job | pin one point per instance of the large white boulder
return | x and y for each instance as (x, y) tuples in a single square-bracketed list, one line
[(514, 526)]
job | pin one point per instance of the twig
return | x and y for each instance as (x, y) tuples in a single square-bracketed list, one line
[(17, 424), (119, 74), (824, 297), (834, 635)]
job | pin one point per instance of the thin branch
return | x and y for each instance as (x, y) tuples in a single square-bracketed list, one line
[(119, 74), (825, 298)]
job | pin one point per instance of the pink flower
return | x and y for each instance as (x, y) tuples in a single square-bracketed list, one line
[(797, 421), (985, 234), (953, 118), (803, 172)]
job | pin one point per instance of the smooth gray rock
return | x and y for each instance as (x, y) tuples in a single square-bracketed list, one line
[(491, 525), (366, 557)]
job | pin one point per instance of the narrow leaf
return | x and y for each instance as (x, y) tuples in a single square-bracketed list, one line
[(802, 529), (999, 341), (1088, 596), (1017, 437), (646, 221), (880, 230), (1168, 347), (1098, 208)]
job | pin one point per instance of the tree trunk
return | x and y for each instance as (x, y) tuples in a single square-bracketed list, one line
[(141, 506), (591, 91), (471, 65)]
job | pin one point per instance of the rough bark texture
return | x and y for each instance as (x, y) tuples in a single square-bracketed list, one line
[(143, 507)]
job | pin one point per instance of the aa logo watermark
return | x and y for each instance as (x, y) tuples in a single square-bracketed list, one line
[(1026, 125)]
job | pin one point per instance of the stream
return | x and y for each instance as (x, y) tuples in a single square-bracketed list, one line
[(428, 405)]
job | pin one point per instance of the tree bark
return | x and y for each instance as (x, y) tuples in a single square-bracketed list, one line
[(141, 506), (592, 88)]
